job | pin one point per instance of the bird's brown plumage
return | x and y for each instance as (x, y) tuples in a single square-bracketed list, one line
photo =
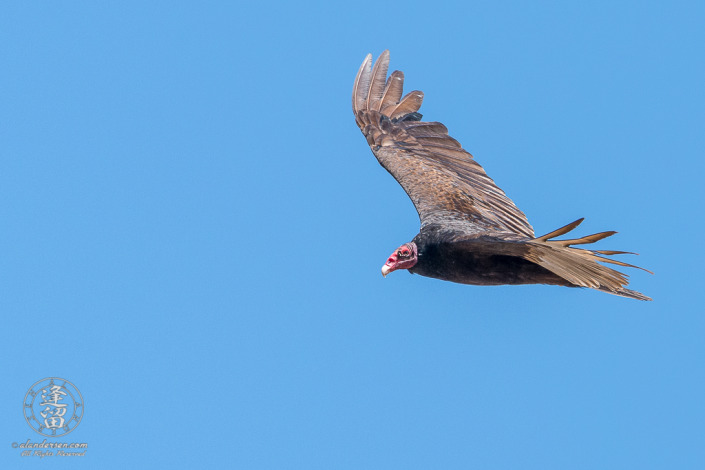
[(458, 203), (444, 182)]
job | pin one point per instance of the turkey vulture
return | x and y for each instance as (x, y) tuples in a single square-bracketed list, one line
[(471, 232)]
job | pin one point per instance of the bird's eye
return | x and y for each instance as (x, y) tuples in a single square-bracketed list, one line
[(399, 253)]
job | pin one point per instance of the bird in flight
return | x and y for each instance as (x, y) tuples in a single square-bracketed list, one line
[(471, 232)]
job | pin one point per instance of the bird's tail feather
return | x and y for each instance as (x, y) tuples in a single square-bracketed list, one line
[(579, 266)]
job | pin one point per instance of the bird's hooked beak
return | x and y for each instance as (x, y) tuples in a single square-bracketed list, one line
[(390, 265)]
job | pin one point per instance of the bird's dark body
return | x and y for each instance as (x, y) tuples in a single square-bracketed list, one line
[(477, 261)]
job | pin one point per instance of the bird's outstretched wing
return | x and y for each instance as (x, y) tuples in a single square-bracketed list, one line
[(447, 186)]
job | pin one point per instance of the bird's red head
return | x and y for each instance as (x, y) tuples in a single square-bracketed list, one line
[(403, 257)]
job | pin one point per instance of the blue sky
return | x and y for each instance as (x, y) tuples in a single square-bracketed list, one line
[(193, 231)]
